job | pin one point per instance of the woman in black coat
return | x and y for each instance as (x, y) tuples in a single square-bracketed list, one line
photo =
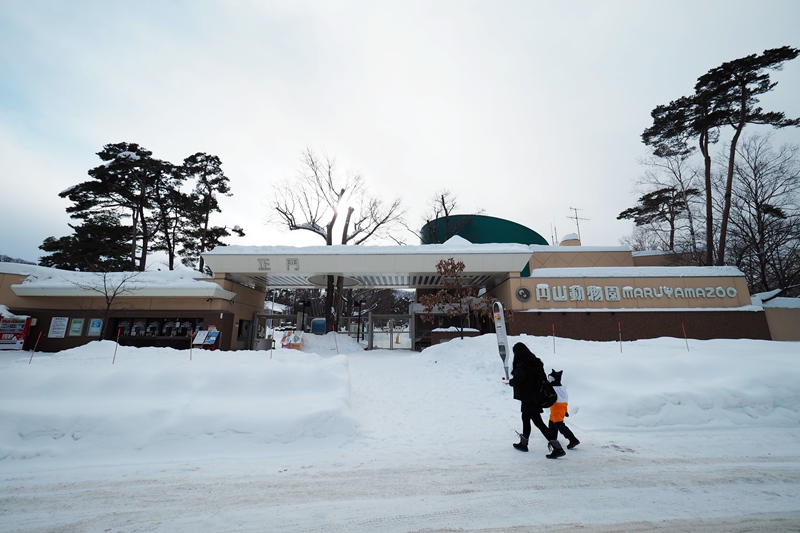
[(528, 374)]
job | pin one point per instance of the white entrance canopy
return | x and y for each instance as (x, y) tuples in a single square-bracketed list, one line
[(366, 266)]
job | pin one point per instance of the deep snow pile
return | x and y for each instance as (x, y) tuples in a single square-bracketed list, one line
[(77, 402), (657, 382), (158, 404)]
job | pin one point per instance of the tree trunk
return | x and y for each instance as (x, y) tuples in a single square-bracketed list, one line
[(339, 298), (330, 315), (709, 205), (690, 217), (145, 245), (726, 208), (134, 227)]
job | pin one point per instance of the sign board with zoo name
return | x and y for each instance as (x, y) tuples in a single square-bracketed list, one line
[(626, 296)]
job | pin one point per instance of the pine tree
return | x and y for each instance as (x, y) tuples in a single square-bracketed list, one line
[(734, 88), (134, 205), (200, 236), (726, 96), (97, 245), (125, 185), (170, 207), (663, 206)]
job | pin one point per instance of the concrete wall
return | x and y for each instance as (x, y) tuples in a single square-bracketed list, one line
[(576, 257), (784, 322)]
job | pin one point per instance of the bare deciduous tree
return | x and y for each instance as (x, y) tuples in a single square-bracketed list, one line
[(440, 221), (110, 286), (764, 215), (665, 215), (319, 199)]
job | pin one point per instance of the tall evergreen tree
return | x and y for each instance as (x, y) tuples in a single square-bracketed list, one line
[(170, 207), (663, 206), (725, 96), (134, 205), (99, 244), (126, 184), (210, 181), (674, 125), (734, 88)]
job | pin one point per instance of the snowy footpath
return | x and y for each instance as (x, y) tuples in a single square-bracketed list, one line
[(696, 438)]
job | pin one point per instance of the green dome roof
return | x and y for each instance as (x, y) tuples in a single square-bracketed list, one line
[(479, 229)]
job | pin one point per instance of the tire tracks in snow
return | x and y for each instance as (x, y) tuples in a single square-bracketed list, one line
[(737, 494)]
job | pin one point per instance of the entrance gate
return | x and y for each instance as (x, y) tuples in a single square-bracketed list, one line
[(390, 332), (374, 332)]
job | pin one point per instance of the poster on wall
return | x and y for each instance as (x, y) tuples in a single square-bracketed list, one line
[(76, 327), (58, 327), (95, 327)]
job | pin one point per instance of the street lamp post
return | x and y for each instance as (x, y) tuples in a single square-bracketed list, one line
[(358, 328), (271, 306)]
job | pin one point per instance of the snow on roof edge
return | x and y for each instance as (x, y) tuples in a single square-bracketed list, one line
[(422, 249), (636, 272)]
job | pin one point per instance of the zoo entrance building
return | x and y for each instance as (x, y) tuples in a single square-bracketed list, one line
[(568, 290)]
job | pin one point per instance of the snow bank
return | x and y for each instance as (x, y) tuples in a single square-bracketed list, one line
[(155, 404), (77, 402), (656, 383)]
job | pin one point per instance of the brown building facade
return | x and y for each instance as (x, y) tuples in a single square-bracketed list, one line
[(588, 293)]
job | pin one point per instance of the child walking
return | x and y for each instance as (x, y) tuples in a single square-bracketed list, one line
[(559, 410)]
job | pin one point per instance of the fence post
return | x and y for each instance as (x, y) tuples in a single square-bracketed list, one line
[(370, 331)]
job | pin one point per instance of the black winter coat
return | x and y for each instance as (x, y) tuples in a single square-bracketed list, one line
[(527, 384)]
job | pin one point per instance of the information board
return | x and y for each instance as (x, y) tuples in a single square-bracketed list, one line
[(200, 337), (58, 327), (95, 327), (76, 327)]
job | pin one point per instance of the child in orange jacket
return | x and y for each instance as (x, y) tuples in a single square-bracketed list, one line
[(559, 410)]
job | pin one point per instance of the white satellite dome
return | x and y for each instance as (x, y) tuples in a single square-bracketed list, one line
[(570, 239)]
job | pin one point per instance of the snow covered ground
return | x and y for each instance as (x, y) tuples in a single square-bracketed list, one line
[(701, 437)]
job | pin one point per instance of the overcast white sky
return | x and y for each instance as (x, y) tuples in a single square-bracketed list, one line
[(522, 108)]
